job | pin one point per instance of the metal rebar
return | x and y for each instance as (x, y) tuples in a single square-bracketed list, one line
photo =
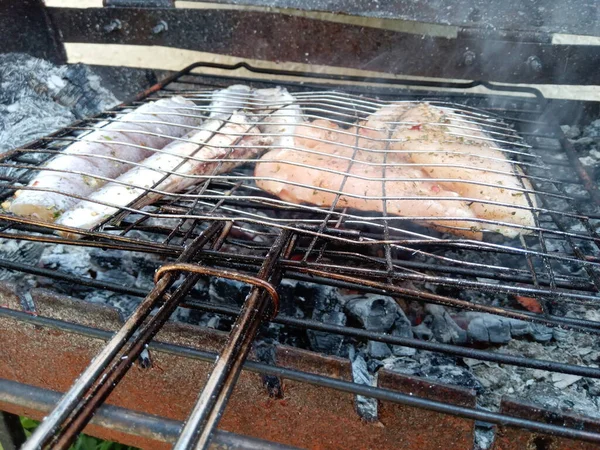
[(201, 421), (50, 425)]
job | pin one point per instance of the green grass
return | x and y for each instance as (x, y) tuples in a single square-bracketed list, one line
[(83, 442)]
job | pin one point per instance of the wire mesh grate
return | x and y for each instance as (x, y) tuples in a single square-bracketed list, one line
[(555, 256), (461, 264)]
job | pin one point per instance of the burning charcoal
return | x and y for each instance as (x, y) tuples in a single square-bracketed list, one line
[(292, 300), (563, 399), (593, 129), (423, 330), (487, 328), (107, 259), (72, 260), (365, 407), (541, 333), (327, 308), (24, 252), (31, 94), (444, 328), (379, 350), (125, 304), (228, 292), (402, 328), (563, 380), (374, 312), (435, 367), (145, 360), (119, 277)]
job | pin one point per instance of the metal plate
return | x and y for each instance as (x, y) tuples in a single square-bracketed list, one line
[(284, 38), (578, 16), (517, 439)]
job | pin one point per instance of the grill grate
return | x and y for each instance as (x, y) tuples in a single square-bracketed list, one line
[(378, 253), (564, 235)]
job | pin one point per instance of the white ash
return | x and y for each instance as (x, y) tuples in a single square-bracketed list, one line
[(37, 98), (366, 407), (586, 141)]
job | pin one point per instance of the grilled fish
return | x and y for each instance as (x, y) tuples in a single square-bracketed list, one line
[(102, 155), (227, 135)]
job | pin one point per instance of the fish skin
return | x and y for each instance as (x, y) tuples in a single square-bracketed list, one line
[(112, 149), (210, 146)]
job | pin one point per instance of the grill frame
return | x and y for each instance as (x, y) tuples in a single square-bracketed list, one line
[(304, 269)]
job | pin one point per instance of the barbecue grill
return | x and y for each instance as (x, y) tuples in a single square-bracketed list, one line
[(226, 228)]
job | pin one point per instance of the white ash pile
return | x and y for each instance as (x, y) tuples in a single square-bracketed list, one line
[(38, 98)]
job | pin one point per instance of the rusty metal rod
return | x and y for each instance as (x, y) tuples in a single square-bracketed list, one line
[(209, 406), (159, 429), (119, 368), (50, 425)]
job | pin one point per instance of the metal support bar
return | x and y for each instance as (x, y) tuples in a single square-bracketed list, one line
[(71, 400), (149, 426), (280, 37), (12, 435), (210, 405)]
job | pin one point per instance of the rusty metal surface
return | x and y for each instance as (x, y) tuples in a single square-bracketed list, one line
[(451, 432), (307, 416), (115, 423), (576, 16), (508, 438), (280, 37)]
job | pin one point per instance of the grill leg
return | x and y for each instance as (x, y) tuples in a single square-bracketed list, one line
[(12, 435)]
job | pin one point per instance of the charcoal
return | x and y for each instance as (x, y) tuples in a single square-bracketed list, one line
[(569, 400), (487, 328), (519, 328), (593, 129), (322, 341), (145, 360), (563, 380), (560, 334), (228, 292), (265, 352), (72, 260), (324, 298), (423, 330), (292, 296), (378, 350), (24, 252), (571, 131), (540, 332), (119, 277), (187, 315), (444, 328), (434, 367), (125, 304), (107, 259), (366, 407), (373, 312), (484, 437), (402, 328)]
